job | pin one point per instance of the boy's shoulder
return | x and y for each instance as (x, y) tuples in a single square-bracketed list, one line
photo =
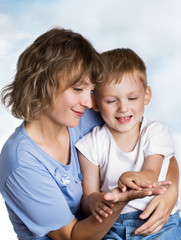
[(97, 132), (153, 128), (149, 124)]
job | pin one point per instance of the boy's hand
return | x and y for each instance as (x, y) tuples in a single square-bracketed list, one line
[(133, 180), (99, 207)]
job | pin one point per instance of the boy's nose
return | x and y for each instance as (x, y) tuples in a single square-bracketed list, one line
[(122, 107)]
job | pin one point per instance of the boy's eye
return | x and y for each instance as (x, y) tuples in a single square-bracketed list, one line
[(132, 98)]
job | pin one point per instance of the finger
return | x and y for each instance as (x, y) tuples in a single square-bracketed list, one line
[(109, 204), (105, 208), (145, 184), (98, 218), (145, 192), (112, 196), (132, 194), (154, 223), (116, 195), (122, 187), (159, 190), (129, 182), (162, 183), (148, 228), (133, 185), (101, 212), (149, 210), (109, 197)]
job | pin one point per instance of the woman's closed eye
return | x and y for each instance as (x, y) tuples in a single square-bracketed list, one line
[(111, 101), (76, 89)]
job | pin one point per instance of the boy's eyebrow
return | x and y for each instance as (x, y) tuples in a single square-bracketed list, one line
[(134, 92), (111, 95)]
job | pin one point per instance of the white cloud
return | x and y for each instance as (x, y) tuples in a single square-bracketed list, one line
[(6, 34)]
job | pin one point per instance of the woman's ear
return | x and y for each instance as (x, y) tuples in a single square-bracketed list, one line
[(95, 106), (147, 95)]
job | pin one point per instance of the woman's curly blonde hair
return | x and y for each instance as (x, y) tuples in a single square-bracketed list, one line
[(57, 55)]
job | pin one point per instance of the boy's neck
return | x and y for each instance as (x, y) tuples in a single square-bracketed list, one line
[(126, 141)]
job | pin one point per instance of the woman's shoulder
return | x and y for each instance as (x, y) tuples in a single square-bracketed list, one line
[(8, 158), (18, 151)]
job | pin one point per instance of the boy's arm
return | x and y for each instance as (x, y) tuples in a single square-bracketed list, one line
[(144, 178), (151, 167), (93, 201), (90, 182)]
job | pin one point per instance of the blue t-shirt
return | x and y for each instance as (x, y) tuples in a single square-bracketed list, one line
[(40, 193)]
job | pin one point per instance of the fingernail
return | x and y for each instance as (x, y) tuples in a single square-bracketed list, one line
[(134, 233), (142, 216)]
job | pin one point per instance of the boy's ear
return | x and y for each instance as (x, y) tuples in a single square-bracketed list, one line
[(95, 105), (147, 95)]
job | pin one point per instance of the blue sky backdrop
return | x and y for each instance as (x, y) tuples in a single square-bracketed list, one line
[(151, 28)]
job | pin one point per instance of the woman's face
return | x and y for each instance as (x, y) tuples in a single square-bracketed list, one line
[(71, 103)]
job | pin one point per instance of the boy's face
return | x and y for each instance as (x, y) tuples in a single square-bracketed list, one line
[(122, 105)]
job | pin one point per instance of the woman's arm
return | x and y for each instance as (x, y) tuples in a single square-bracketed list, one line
[(88, 228), (161, 206)]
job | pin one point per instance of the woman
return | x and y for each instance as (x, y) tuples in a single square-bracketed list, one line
[(39, 169)]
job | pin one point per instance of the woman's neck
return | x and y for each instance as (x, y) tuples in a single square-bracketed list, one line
[(51, 138)]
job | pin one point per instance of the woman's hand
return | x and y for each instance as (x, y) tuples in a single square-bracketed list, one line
[(158, 211), (116, 195), (160, 207)]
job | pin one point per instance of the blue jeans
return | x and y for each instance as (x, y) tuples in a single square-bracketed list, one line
[(127, 223)]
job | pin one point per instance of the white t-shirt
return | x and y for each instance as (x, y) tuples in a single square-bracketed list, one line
[(100, 148)]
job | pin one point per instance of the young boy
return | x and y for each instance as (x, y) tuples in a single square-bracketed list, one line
[(129, 151)]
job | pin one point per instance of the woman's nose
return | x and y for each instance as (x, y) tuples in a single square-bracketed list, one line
[(86, 100)]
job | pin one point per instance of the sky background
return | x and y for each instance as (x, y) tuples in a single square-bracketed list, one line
[(151, 28)]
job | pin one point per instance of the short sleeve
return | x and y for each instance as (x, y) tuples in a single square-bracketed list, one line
[(37, 200), (90, 146), (159, 141)]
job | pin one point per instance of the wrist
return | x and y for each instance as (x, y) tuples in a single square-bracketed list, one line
[(150, 175), (172, 190)]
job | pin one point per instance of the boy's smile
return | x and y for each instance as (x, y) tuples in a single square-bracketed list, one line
[(124, 120), (122, 104)]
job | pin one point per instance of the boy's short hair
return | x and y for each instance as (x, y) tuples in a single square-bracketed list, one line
[(120, 61), (56, 54)]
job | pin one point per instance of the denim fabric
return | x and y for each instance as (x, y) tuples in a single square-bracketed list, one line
[(127, 223)]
